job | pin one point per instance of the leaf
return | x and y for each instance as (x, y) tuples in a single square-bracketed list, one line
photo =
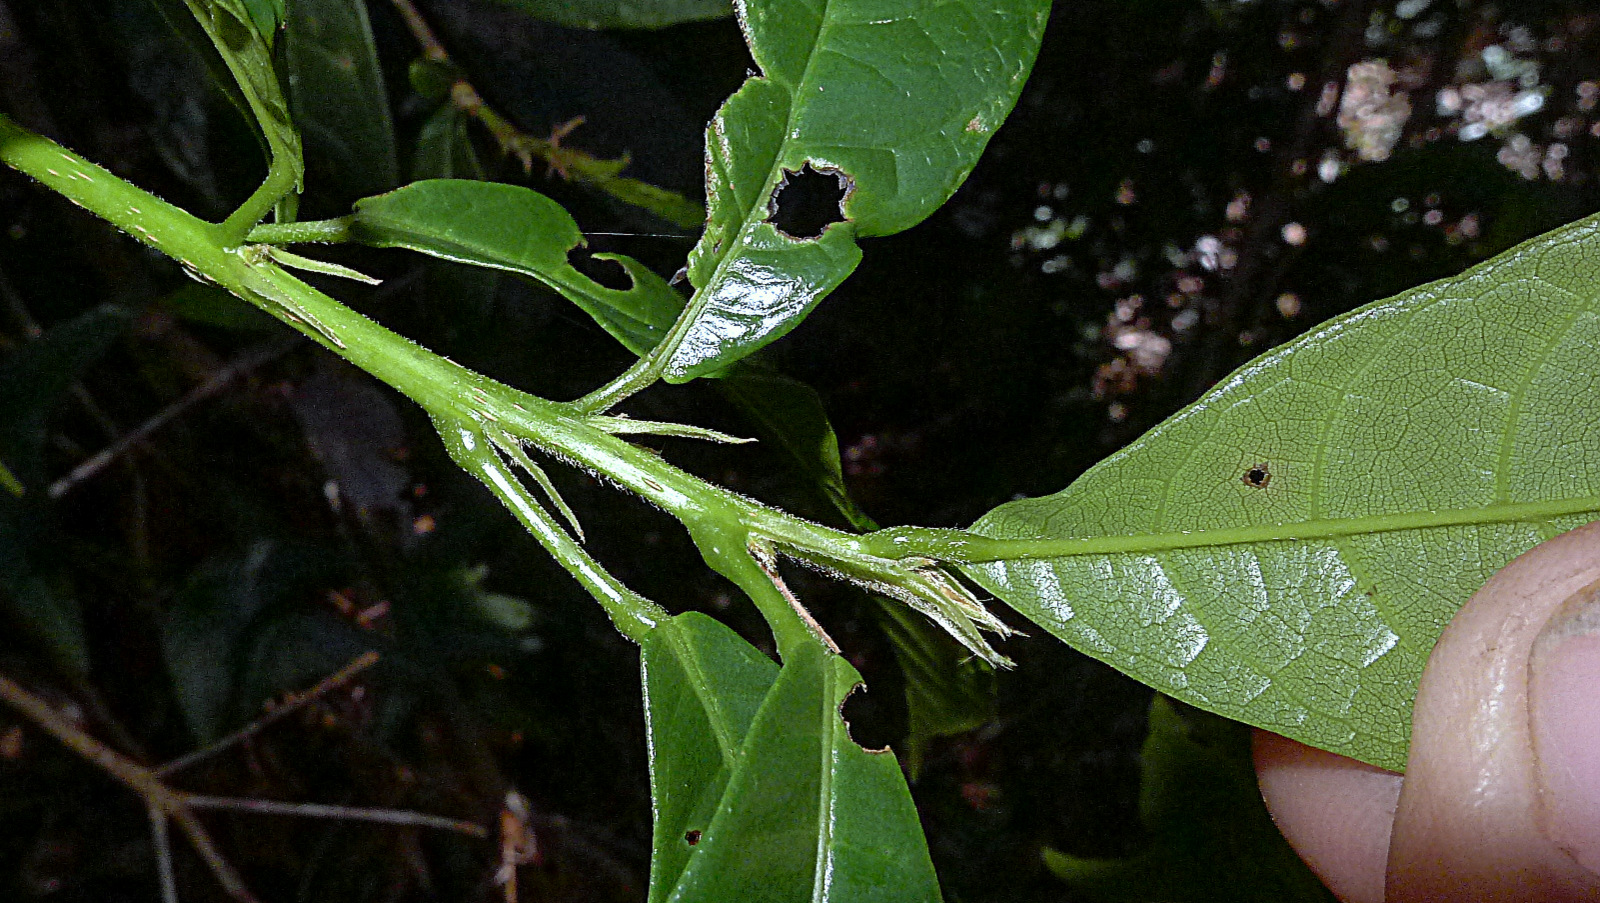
[(668, 205), (885, 104), (789, 415), (247, 51), (948, 690), (1211, 838), (337, 95), (805, 813), (444, 149), (34, 380), (268, 16), (233, 637), (1286, 550), (702, 688), (508, 227), (623, 13)]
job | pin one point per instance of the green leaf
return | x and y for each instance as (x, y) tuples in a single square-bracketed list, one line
[(1211, 838), (267, 15), (35, 379), (623, 13), (337, 95), (247, 51), (508, 227), (948, 690), (885, 103), (1286, 550), (444, 148), (233, 636), (9, 481), (669, 205), (776, 802), (702, 688), (789, 415)]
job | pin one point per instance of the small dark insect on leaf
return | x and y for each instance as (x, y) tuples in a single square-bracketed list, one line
[(692, 836), (1257, 476)]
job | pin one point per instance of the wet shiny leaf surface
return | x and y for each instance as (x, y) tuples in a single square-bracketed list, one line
[(894, 100)]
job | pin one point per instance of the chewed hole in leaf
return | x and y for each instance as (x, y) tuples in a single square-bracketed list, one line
[(606, 273), (1258, 476), (809, 201), (691, 836), (865, 721)]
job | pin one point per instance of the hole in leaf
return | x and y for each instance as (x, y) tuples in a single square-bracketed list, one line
[(608, 273), (809, 201), (1258, 476), (691, 836), (864, 721)]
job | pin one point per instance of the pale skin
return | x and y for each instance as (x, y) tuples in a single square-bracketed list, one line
[(1501, 796)]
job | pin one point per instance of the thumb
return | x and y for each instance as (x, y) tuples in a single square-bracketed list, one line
[(1501, 798)]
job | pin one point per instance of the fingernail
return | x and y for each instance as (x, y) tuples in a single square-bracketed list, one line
[(1564, 714)]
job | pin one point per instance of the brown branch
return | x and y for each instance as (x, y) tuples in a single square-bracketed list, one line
[(571, 164), (296, 702), (208, 389), (342, 813), (163, 802)]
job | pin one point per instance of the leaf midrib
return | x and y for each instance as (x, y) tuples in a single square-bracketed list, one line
[(979, 548), (751, 216)]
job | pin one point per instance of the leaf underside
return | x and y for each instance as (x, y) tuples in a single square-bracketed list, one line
[(896, 98), (1286, 550)]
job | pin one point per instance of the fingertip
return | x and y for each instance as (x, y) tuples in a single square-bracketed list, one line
[(1335, 812), (1468, 825)]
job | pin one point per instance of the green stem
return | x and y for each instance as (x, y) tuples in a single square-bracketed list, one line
[(634, 615), (643, 374), (453, 394), (279, 182), (327, 231)]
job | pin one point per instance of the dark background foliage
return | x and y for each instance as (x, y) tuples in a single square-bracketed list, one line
[(1174, 194)]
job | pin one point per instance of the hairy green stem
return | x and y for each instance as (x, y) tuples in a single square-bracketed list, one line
[(327, 231), (642, 375), (725, 525), (279, 182)]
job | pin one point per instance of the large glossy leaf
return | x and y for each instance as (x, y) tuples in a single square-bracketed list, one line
[(702, 687), (1286, 550), (337, 95), (1210, 837), (508, 227), (760, 793), (885, 104), (623, 13)]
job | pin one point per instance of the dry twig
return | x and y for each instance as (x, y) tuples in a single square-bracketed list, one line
[(164, 802)]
